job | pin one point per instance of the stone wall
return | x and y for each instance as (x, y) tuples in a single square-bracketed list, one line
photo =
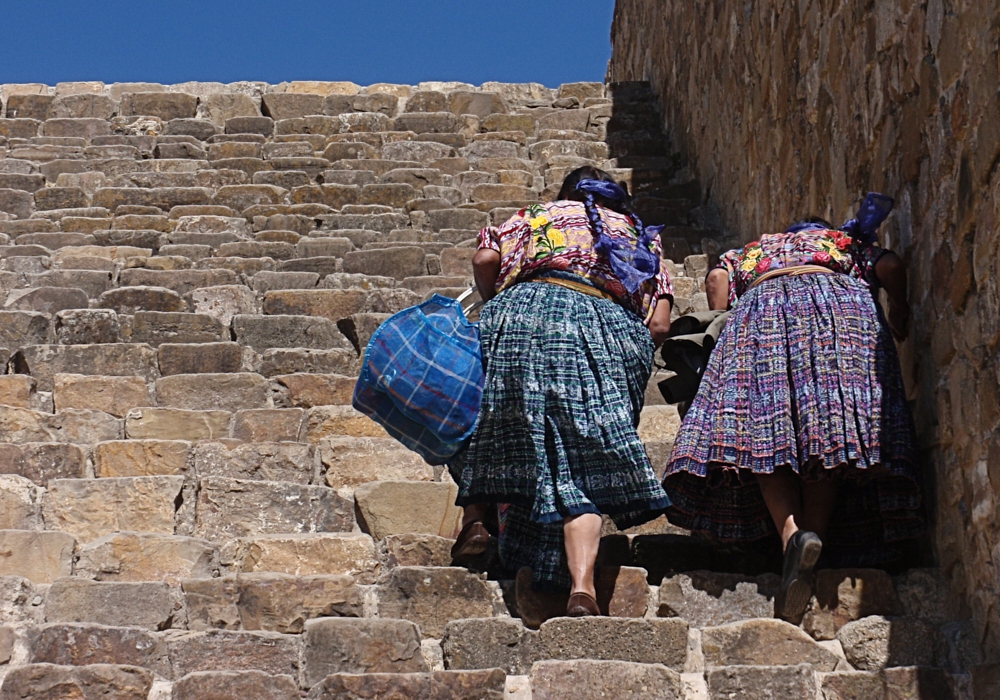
[(786, 108)]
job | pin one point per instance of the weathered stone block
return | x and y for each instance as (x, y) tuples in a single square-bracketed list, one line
[(340, 421), (453, 685), (309, 390), (710, 599), (457, 261), (269, 602), (875, 642), (333, 304), (88, 326), (413, 549), (43, 461), (211, 392), (230, 508), (223, 302), (43, 362), (843, 595), (268, 425), (432, 597), (395, 507), (92, 508), (761, 682), (150, 605), (345, 645), (427, 122), (176, 424), (903, 683), (354, 461), (134, 556), (763, 642), (86, 644), (17, 203), (40, 557), (247, 685), (196, 358), (289, 106), (21, 328), (20, 507), (114, 395), (309, 555), (121, 458), (129, 300), (398, 263), (255, 461), (156, 328), (304, 360), (17, 390), (851, 685), (165, 105), (282, 331), (94, 682), (218, 650), (47, 300), (587, 680)]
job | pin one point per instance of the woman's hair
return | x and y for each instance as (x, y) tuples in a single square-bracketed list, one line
[(809, 223), (589, 172)]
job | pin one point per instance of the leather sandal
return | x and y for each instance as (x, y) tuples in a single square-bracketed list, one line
[(471, 541), (582, 605), (801, 555)]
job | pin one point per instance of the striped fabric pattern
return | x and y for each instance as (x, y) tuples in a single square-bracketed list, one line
[(565, 376), (557, 236), (805, 374), (422, 378)]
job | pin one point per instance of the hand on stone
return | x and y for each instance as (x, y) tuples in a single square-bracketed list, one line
[(899, 321)]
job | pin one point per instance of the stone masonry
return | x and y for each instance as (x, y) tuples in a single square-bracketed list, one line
[(789, 108), (189, 506)]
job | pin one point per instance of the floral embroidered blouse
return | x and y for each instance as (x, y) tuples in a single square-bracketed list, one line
[(557, 237), (831, 249)]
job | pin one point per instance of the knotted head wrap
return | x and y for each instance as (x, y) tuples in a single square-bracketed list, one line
[(863, 227), (632, 265), (870, 215)]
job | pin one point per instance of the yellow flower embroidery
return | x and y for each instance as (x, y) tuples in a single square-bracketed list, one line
[(556, 237), (831, 248), (749, 264), (539, 221), (754, 253)]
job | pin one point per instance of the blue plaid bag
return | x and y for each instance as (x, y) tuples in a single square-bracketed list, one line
[(422, 378)]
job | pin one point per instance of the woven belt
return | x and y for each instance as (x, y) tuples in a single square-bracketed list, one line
[(577, 287), (794, 271)]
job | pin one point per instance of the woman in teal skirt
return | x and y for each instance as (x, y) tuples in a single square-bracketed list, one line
[(577, 301)]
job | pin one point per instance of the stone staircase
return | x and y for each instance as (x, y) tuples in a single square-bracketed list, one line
[(189, 506)]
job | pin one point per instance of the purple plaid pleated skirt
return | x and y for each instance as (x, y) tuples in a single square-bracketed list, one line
[(805, 374)]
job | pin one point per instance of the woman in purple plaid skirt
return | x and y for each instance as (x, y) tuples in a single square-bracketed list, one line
[(800, 427)]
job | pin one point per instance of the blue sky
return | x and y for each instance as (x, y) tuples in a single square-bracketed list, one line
[(366, 41)]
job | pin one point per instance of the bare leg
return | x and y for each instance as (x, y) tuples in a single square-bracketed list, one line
[(583, 538), (782, 492), (818, 498)]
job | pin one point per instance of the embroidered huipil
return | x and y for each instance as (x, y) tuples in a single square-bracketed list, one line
[(831, 249), (557, 237)]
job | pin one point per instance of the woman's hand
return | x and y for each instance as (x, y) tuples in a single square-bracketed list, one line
[(659, 323), (899, 321)]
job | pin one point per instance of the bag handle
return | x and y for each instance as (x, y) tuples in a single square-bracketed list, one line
[(465, 295)]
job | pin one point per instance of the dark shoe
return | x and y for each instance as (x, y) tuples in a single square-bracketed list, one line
[(582, 605), (471, 541), (801, 555)]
